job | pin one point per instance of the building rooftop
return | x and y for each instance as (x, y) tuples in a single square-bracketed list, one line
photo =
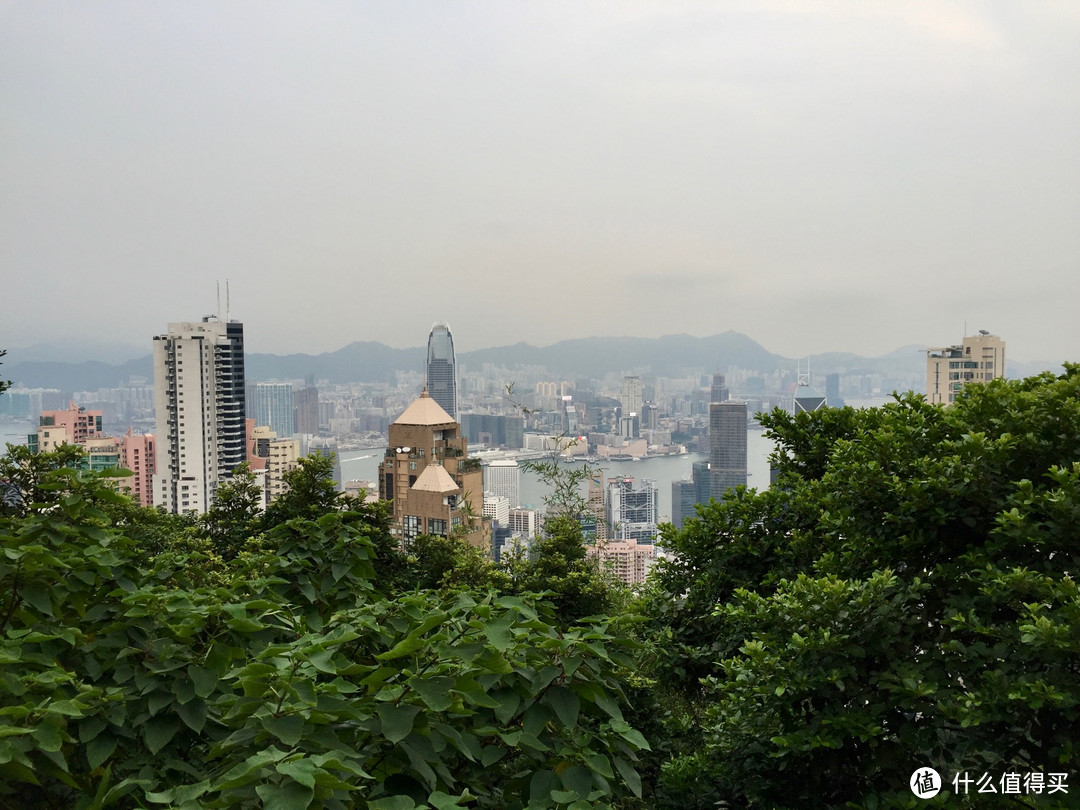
[(425, 411), (435, 479)]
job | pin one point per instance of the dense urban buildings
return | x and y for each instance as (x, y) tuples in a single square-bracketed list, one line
[(80, 426), (442, 369), (199, 398), (73, 425), (978, 358), (433, 484)]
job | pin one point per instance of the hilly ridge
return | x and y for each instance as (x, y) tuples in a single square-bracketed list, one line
[(370, 361)]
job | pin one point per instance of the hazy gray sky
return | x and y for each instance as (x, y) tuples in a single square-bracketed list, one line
[(819, 175)]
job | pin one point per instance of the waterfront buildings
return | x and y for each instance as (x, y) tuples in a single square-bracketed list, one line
[(199, 399), (978, 358), (442, 369), (433, 484)]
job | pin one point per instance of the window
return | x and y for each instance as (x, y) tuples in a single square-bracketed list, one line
[(437, 526), (411, 526)]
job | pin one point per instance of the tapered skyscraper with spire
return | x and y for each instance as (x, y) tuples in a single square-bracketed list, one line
[(442, 369)]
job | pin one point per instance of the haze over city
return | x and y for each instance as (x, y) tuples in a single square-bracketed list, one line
[(822, 177)]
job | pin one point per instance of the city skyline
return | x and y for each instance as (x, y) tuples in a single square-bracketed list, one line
[(833, 177)]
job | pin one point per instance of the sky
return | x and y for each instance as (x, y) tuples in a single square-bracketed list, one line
[(826, 176)]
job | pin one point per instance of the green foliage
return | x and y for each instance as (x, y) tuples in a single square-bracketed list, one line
[(558, 563), (28, 481), (310, 492), (573, 581), (435, 562), (287, 678), (234, 517), (905, 597)]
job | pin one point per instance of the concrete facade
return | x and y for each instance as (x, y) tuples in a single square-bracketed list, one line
[(948, 369)]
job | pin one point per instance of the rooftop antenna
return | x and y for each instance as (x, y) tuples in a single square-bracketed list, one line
[(217, 312), (226, 300), (800, 377)]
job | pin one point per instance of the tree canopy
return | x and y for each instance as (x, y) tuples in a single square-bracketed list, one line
[(904, 597), (285, 675)]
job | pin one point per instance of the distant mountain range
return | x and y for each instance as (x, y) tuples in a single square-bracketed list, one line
[(367, 361)]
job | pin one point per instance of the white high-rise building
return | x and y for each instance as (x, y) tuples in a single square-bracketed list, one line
[(497, 508), (199, 401), (503, 478)]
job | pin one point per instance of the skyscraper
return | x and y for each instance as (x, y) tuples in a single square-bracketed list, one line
[(632, 510), (271, 403), (199, 400), (631, 396), (719, 390), (832, 391), (727, 446), (306, 401), (978, 359), (442, 369)]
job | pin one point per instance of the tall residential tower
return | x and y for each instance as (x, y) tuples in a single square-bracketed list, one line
[(442, 369), (978, 359), (199, 400)]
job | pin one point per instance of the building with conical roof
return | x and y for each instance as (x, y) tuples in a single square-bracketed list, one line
[(435, 488)]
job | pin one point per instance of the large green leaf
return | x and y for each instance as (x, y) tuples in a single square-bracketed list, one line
[(158, 731), (288, 796), (288, 728), (566, 704), (397, 721)]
